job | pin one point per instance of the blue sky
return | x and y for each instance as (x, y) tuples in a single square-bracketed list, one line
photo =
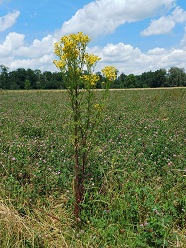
[(133, 35)]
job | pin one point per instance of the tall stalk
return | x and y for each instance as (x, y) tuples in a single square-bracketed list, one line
[(73, 60)]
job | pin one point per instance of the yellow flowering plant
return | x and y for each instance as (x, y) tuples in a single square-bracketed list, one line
[(110, 73), (78, 67)]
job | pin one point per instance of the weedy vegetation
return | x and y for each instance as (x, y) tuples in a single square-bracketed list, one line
[(78, 66), (134, 192)]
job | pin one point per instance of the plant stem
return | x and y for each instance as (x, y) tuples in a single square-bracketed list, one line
[(77, 183)]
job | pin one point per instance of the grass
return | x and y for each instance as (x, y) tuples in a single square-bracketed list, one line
[(135, 187)]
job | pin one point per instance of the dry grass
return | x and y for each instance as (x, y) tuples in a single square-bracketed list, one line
[(180, 239), (37, 227)]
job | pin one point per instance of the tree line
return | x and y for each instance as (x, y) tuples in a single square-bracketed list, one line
[(36, 79)]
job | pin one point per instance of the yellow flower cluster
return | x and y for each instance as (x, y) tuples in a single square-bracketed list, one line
[(75, 38), (70, 49), (59, 64), (91, 59), (99, 107), (57, 49), (110, 72), (90, 79)]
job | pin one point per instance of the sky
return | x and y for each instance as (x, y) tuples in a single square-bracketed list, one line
[(135, 36)]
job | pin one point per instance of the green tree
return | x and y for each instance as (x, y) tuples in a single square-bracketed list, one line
[(176, 76), (159, 78), (120, 81), (130, 81), (27, 84), (147, 78), (19, 76), (4, 77), (31, 76)]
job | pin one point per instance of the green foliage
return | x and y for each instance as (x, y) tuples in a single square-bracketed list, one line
[(27, 84), (135, 189), (172, 77), (176, 76)]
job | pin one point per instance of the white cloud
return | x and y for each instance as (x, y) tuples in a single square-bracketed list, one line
[(8, 20), (14, 45), (12, 42), (104, 16), (39, 55), (165, 24), (157, 51), (179, 15), (38, 48), (43, 63), (15, 54), (128, 59), (121, 51)]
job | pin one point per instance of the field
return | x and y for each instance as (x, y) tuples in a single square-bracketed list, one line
[(135, 190)]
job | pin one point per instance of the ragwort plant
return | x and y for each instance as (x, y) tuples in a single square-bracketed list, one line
[(78, 67)]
